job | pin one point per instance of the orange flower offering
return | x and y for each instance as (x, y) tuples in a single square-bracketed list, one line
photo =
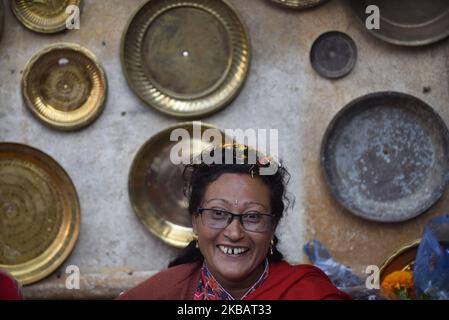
[(399, 285)]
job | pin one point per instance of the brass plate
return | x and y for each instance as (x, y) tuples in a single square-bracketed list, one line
[(298, 4), (65, 86), (408, 23), (401, 259), (44, 16), (156, 186), (39, 213), (186, 58)]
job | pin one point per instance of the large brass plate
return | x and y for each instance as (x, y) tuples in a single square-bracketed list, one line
[(298, 4), (186, 58), (405, 22), (156, 186), (65, 86), (39, 213), (44, 16)]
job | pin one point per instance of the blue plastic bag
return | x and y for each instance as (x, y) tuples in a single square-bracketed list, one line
[(339, 274), (431, 269)]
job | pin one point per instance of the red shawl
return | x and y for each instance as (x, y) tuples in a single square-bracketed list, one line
[(284, 282)]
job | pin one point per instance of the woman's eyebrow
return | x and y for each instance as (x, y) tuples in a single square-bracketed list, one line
[(230, 203)]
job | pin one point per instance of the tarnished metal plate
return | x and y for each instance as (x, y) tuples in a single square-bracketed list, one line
[(333, 54), (65, 86), (39, 213), (386, 156), (44, 16), (298, 4), (410, 23), (156, 185), (186, 58), (401, 260)]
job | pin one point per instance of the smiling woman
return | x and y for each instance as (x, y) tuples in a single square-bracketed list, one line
[(235, 211)]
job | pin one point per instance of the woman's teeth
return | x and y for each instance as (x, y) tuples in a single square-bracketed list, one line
[(232, 251)]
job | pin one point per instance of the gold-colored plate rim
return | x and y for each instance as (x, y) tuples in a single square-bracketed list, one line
[(231, 83), (40, 267), (172, 234), (298, 4), (92, 112), (41, 27), (409, 246)]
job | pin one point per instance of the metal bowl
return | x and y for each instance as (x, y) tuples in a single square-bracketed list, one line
[(385, 156), (39, 213), (402, 259), (65, 86), (408, 23), (43, 16), (156, 185), (186, 58)]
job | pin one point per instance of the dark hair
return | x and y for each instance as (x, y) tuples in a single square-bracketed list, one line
[(197, 178)]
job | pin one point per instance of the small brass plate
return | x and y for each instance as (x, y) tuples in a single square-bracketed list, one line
[(39, 213), (156, 185), (186, 58), (298, 4), (402, 259), (65, 86), (44, 16)]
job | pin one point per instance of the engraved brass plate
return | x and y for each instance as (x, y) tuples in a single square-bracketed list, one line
[(186, 58), (65, 86), (39, 213), (298, 4), (156, 185), (44, 16)]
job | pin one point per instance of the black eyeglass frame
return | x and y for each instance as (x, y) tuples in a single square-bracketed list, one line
[(240, 218)]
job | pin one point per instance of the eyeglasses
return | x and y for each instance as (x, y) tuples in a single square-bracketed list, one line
[(251, 221)]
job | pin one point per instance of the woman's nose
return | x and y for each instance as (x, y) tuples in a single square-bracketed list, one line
[(234, 230)]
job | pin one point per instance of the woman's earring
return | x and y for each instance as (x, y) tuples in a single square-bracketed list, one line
[(196, 244), (271, 246)]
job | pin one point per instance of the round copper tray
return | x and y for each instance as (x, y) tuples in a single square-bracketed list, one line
[(402, 259), (410, 23), (298, 4), (156, 186), (39, 213), (65, 86), (44, 16), (186, 58), (385, 156)]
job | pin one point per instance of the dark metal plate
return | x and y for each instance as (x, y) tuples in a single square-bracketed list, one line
[(405, 22), (186, 58), (156, 186), (385, 156), (333, 54)]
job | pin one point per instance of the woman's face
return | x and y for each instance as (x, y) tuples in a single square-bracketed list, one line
[(236, 193)]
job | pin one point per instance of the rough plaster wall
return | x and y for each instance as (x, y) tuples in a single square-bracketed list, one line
[(281, 92)]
